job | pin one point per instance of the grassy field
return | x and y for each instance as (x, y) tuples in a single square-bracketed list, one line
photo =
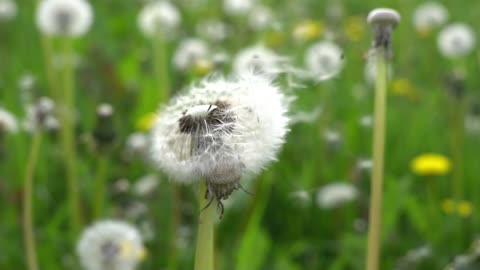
[(430, 215)]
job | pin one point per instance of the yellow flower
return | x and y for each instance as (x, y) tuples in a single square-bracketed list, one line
[(308, 30), (448, 206), (424, 32), (430, 164), (464, 209), (145, 123), (403, 88), (354, 28), (202, 67)]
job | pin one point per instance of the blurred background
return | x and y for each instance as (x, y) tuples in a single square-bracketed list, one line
[(308, 210)]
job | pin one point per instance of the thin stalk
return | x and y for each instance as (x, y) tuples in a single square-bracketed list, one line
[(376, 196), (160, 63), (48, 56), (28, 230), (204, 254), (457, 146), (100, 186), (68, 137)]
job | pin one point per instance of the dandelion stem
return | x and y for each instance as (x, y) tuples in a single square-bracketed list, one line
[(457, 145), (68, 137), (376, 196), (28, 230), (100, 183), (48, 56), (204, 255), (160, 94)]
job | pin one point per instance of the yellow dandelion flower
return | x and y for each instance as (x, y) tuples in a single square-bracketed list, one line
[(145, 123), (308, 30), (430, 164), (403, 88), (424, 32), (464, 209), (354, 28), (448, 206), (202, 67)]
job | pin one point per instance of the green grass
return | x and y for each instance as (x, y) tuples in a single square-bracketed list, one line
[(268, 230)]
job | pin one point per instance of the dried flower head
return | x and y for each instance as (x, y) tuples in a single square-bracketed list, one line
[(158, 17), (110, 245), (429, 16), (71, 18), (260, 59), (383, 21), (456, 40), (324, 60), (221, 130), (8, 10), (189, 52)]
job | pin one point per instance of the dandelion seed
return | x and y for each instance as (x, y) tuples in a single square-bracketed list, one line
[(430, 164), (8, 122), (335, 195), (71, 18), (158, 17), (324, 60), (8, 10), (429, 16), (456, 40), (110, 245), (260, 59), (190, 52), (221, 130)]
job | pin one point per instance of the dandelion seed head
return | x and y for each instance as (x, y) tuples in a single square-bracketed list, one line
[(336, 194), (110, 245), (238, 7), (324, 60), (189, 52), (146, 185), (8, 10), (429, 16), (71, 18), (259, 59), (8, 122), (260, 17), (456, 40), (221, 130), (158, 17)]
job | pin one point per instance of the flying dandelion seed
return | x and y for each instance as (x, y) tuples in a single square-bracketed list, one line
[(221, 131), (110, 245), (71, 18)]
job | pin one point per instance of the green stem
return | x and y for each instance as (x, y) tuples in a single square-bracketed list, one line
[(457, 146), (204, 254), (376, 196), (28, 230), (48, 56), (100, 185), (68, 137), (161, 94)]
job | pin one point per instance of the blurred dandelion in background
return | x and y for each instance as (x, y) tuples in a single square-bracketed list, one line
[(456, 40), (110, 244), (430, 164), (8, 10), (64, 18), (429, 16)]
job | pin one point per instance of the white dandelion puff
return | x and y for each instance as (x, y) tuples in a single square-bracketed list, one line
[(146, 185), (335, 195), (110, 245), (8, 10), (8, 122), (158, 17), (260, 59), (260, 17), (189, 52), (213, 30), (324, 60), (238, 7), (71, 18), (429, 16), (456, 40), (222, 131)]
